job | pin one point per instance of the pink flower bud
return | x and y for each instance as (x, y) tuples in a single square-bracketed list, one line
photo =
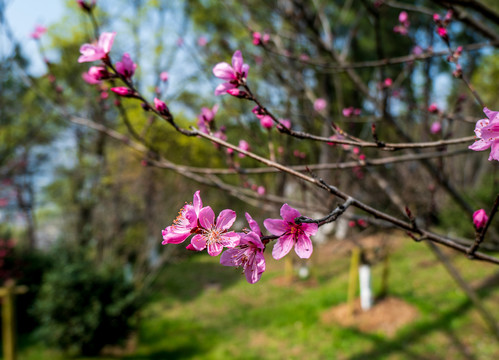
[(260, 190), (244, 146), (362, 223), (436, 127), (285, 122), (267, 122), (161, 106), (480, 218), (320, 104), (442, 32), (403, 17), (266, 38), (202, 41), (433, 108), (122, 91), (387, 82), (347, 112), (257, 38), (436, 17), (163, 76)]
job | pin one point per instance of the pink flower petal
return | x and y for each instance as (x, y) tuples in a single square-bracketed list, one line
[(276, 226), (230, 239), (225, 219), (253, 225), (224, 71), (253, 240), (171, 237), (230, 257), (222, 88), (490, 132), (303, 247), (480, 145), (283, 246), (494, 151), (309, 229), (206, 217), (214, 249), (197, 202), (492, 115), (106, 41), (254, 272), (289, 214), (237, 61), (199, 242)]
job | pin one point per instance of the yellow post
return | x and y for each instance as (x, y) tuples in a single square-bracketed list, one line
[(8, 321), (352, 282)]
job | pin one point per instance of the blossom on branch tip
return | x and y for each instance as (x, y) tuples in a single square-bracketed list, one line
[(214, 236), (99, 51), (291, 234), (480, 218), (186, 222), (126, 67), (234, 75), (163, 76), (487, 132)]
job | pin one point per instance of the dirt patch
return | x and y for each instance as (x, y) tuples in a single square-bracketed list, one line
[(387, 316)]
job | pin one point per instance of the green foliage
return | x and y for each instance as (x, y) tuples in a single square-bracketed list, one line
[(83, 307)]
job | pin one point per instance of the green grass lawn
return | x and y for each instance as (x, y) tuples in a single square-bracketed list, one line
[(206, 311)]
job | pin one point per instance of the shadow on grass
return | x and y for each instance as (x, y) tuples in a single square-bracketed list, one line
[(183, 352), (188, 279), (400, 343)]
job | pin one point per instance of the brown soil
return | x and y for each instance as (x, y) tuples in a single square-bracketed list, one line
[(387, 316)]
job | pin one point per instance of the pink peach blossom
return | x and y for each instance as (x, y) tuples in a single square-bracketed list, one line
[(291, 234), (234, 75), (248, 255), (99, 51), (215, 236), (487, 132), (126, 67)]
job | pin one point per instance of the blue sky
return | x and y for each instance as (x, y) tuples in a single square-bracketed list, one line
[(23, 16)]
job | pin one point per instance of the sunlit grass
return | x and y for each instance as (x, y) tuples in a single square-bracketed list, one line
[(206, 311)]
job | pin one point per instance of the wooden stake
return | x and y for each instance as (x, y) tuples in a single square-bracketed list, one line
[(8, 317), (352, 282)]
